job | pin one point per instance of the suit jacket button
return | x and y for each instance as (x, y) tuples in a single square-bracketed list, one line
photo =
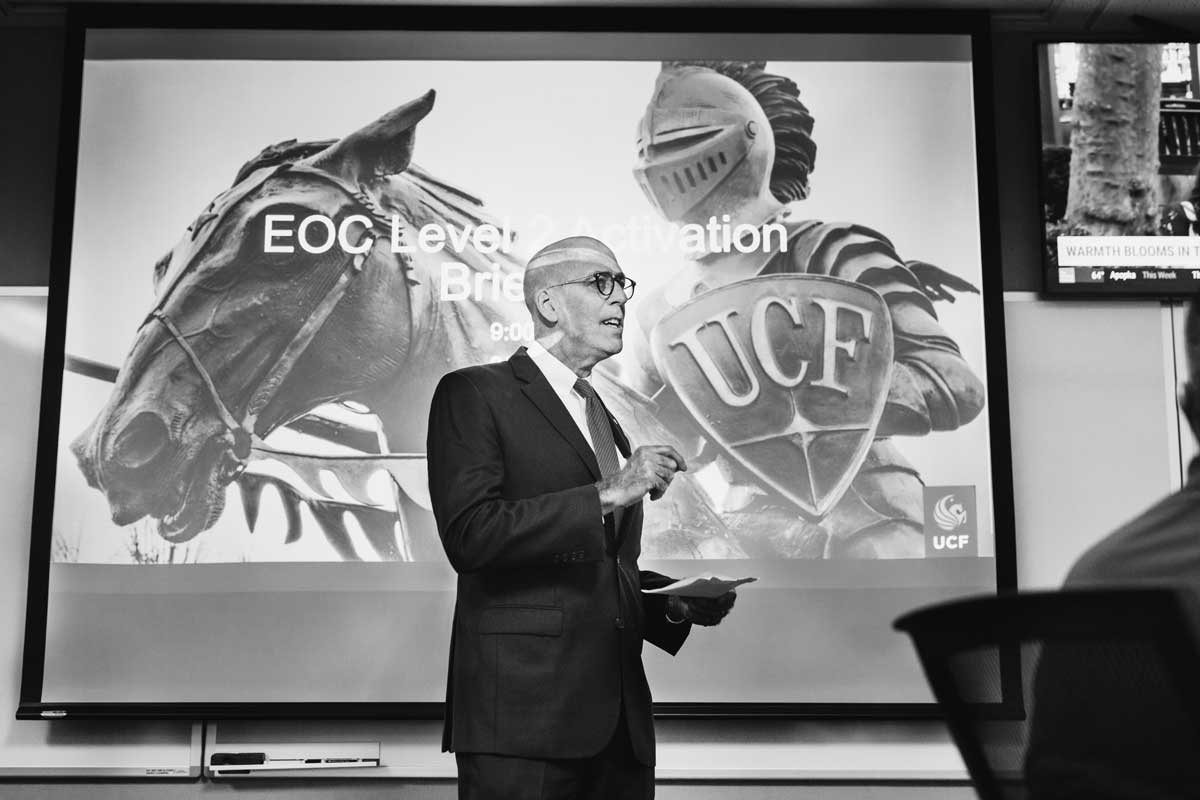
[(620, 623), (618, 561)]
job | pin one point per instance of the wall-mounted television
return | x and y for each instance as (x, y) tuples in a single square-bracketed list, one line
[(277, 230), (1120, 153)]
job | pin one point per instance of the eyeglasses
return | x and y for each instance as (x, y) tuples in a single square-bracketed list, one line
[(605, 282)]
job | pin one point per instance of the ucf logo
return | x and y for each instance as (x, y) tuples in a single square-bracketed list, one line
[(787, 374)]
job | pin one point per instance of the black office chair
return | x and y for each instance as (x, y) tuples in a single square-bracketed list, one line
[(1072, 694)]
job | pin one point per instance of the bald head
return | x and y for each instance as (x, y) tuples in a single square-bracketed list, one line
[(564, 260)]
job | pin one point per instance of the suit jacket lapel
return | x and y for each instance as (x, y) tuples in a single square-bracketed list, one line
[(540, 393)]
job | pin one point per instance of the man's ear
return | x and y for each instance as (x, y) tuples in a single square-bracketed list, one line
[(545, 306)]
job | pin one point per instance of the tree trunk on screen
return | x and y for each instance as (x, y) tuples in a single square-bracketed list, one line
[(1114, 140)]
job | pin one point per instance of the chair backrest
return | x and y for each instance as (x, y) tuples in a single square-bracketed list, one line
[(1072, 694), (1178, 135)]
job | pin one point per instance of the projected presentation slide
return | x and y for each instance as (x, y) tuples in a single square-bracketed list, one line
[(275, 259), (1120, 156)]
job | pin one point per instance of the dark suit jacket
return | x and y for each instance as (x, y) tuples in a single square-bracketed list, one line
[(549, 621)]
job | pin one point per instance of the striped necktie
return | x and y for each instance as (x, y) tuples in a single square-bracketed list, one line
[(600, 429)]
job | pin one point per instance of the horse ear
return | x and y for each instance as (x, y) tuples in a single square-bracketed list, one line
[(382, 148)]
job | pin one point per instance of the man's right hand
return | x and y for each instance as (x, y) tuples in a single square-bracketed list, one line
[(649, 470)]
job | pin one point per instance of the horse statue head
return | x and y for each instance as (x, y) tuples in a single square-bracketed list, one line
[(250, 329)]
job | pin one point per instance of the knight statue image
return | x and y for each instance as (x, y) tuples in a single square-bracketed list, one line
[(792, 370)]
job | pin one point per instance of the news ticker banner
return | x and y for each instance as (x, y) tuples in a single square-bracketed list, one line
[(1170, 262)]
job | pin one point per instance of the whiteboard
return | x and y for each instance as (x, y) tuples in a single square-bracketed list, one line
[(688, 749), (62, 748)]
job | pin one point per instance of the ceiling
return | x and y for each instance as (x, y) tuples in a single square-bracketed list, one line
[(1166, 18)]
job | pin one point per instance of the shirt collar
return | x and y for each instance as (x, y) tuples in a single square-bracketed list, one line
[(561, 378)]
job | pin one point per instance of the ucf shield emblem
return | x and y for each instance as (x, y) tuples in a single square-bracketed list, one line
[(787, 374)]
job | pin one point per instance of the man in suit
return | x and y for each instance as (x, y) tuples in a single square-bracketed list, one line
[(547, 697)]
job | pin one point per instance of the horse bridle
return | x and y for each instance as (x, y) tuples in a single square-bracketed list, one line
[(243, 430)]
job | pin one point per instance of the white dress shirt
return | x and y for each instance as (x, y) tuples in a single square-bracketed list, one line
[(562, 381)]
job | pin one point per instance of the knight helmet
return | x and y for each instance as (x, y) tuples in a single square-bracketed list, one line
[(707, 144), (703, 143)]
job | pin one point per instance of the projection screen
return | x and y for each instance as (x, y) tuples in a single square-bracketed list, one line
[(233, 504)]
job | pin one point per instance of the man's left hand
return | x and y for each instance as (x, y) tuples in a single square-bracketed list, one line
[(700, 610)]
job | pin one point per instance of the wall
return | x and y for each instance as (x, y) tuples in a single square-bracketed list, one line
[(1092, 434), (31, 70)]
